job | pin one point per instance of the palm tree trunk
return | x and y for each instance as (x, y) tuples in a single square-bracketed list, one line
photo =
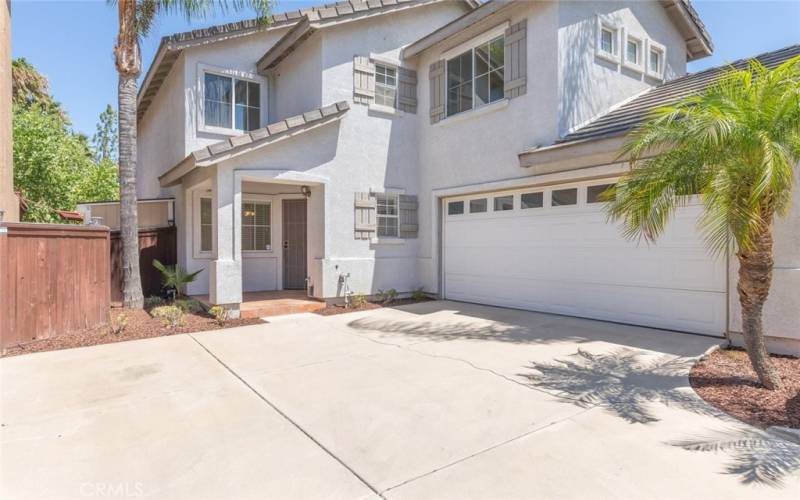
[(755, 278), (129, 64)]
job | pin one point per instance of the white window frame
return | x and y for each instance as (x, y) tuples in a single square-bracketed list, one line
[(606, 24), (257, 201), (234, 74), (637, 65), (395, 198), (653, 46), (470, 45), (197, 251), (394, 87)]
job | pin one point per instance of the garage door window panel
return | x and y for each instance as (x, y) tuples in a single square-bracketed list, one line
[(531, 200), (478, 206), (564, 197), (599, 193), (455, 208), (503, 203)]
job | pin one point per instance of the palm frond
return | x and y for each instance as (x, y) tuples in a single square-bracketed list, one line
[(736, 144)]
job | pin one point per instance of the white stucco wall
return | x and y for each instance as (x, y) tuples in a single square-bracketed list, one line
[(161, 136), (782, 309), (366, 150), (590, 85), (567, 85)]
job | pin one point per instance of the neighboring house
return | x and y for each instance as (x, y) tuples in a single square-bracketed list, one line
[(152, 213), (445, 144)]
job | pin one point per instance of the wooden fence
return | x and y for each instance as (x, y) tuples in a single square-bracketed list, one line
[(158, 243), (54, 279)]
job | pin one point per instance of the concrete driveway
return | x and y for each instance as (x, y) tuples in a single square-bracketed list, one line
[(435, 400)]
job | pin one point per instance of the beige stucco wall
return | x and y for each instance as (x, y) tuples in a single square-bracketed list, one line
[(151, 213), (8, 201)]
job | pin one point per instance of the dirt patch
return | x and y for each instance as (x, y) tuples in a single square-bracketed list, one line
[(332, 309), (140, 326), (726, 380)]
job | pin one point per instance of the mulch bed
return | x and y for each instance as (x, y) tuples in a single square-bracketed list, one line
[(726, 380), (333, 309), (140, 326)]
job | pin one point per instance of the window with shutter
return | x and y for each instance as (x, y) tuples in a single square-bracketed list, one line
[(438, 91), (365, 223)]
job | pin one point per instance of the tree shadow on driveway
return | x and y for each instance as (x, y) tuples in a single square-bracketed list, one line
[(756, 456), (625, 382)]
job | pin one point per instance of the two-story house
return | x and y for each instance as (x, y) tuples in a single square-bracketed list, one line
[(447, 144)]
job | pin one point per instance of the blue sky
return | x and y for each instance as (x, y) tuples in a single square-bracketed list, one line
[(71, 42)]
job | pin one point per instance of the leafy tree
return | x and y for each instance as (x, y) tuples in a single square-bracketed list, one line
[(29, 88), (136, 18), (53, 166), (737, 144), (105, 139)]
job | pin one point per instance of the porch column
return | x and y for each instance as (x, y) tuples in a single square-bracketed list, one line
[(225, 273)]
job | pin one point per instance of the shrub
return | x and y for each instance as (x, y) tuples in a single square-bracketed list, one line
[(174, 277), (170, 316), (219, 313), (419, 294), (153, 301), (358, 300), (387, 296), (188, 305), (119, 324)]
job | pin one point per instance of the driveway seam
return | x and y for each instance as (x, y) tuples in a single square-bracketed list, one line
[(288, 419), (486, 450)]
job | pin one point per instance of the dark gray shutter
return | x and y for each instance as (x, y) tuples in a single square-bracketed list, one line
[(407, 90), (363, 80), (409, 226), (365, 212), (515, 60), (438, 94)]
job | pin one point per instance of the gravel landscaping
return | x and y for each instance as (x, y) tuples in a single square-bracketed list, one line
[(726, 380), (332, 309), (140, 325)]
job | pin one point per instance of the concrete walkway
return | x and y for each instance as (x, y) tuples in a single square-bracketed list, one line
[(436, 400)]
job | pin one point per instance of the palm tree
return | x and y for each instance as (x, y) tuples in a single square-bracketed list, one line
[(737, 145), (135, 20)]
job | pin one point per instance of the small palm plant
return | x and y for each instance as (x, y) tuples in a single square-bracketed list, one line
[(737, 145), (174, 277)]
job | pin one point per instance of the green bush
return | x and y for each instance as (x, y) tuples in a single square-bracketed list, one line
[(358, 300), (387, 296), (174, 277), (419, 294), (219, 313), (153, 301), (170, 316), (119, 324), (188, 305)]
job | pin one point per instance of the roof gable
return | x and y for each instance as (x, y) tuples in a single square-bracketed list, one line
[(171, 46)]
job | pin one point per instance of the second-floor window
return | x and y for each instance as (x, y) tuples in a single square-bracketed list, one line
[(231, 103), (475, 77), (385, 85)]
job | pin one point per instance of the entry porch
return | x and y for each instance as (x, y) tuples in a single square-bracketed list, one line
[(253, 233)]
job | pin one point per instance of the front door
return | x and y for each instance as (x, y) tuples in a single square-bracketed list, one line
[(294, 244)]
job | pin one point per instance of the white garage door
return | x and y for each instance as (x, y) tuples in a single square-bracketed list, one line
[(552, 250)]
